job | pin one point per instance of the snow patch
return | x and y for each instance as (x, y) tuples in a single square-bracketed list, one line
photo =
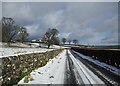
[(52, 73)]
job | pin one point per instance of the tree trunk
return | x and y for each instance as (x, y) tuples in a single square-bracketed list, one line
[(49, 43), (8, 44), (48, 46)]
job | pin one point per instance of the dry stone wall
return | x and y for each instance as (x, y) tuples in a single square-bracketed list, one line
[(14, 68)]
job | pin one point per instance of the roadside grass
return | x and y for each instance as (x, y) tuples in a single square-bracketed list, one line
[(28, 78)]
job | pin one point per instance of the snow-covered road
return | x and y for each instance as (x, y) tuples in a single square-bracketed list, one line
[(63, 69), (87, 76)]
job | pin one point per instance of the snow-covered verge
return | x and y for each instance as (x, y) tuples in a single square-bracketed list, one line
[(52, 73), (101, 64)]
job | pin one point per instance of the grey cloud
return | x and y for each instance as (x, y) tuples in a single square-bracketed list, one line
[(89, 22)]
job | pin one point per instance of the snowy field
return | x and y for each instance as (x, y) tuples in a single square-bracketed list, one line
[(52, 73), (4, 52), (15, 50)]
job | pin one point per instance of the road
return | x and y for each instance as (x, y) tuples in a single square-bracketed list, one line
[(79, 71), (69, 68)]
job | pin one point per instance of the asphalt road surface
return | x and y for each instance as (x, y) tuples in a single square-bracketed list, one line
[(80, 71)]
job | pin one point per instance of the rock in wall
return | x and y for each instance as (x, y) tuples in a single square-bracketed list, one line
[(14, 68)]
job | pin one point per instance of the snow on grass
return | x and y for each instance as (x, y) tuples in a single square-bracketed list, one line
[(18, 44), (4, 52), (54, 46), (23, 48), (101, 64), (52, 73), (1, 44)]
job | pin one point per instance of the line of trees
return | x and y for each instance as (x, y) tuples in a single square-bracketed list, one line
[(51, 38), (12, 32), (64, 40)]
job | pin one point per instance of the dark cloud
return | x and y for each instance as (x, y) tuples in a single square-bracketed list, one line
[(90, 22)]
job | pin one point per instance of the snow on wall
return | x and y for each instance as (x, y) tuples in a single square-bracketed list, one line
[(14, 68), (52, 73)]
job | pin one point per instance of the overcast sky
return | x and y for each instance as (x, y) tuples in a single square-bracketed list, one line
[(89, 22)]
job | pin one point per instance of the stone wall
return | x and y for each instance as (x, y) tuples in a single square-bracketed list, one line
[(14, 68)]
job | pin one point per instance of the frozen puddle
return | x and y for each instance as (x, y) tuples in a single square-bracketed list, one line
[(52, 73)]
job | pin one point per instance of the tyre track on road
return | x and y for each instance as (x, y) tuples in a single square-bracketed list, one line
[(82, 74), (69, 76), (106, 76)]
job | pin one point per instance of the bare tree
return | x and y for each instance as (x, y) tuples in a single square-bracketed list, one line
[(23, 35), (9, 30), (75, 41), (64, 40), (0, 31), (50, 36), (69, 41)]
